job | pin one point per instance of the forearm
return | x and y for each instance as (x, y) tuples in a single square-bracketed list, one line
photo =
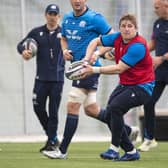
[(111, 69), (151, 45), (64, 44), (90, 50), (165, 57), (103, 50), (67, 54)]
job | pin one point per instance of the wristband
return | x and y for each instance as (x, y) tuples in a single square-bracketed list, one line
[(96, 70)]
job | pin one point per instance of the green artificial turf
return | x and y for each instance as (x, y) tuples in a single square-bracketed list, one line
[(80, 155)]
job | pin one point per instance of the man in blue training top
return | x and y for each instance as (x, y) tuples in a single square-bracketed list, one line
[(78, 29)]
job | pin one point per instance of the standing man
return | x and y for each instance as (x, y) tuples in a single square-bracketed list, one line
[(135, 69), (49, 78), (79, 27), (159, 43)]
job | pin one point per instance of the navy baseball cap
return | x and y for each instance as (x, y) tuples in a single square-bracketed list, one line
[(52, 8)]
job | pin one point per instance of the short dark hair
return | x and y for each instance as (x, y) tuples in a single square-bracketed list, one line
[(129, 17)]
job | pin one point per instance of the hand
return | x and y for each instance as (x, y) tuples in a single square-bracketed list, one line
[(92, 59), (157, 61), (27, 54), (165, 56), (67, 55), (108, 55), (87, 70)]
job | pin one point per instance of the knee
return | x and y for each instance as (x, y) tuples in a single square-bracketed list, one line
[(92, 110), (115, 110), (88, 111), (73, 108)]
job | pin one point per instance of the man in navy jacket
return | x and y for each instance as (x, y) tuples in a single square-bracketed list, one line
[(49, 78)]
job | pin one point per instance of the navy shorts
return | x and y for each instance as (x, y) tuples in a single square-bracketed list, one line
[(91, 82)]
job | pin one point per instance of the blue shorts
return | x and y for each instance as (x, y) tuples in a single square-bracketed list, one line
[(91, 82)]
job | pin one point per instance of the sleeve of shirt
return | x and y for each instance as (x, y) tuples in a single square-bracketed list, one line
[(154, 27), (134, 54), (153, 36), (101, 25), (20, 47), (108, 40)]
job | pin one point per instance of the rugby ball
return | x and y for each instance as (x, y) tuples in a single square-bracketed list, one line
[(31, 44), (75, 69)]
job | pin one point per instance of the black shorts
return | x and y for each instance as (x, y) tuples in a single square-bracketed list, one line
[(91, 82)]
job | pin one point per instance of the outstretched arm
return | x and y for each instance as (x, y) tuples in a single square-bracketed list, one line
[(66, 52), (91, 54), (111, 69)]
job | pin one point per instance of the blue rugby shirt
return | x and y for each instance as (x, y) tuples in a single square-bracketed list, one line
[(80, 30)]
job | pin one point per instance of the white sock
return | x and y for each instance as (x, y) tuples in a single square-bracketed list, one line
[(114, 148), (132, 152)]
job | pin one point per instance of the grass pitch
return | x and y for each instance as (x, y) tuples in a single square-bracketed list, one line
[(81, 155)]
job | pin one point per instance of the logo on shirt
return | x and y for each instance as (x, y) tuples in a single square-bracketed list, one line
[(82, 24), (133, 95), (72, 34), (157, 26), (59, 35), (78, 82), (41, 33)]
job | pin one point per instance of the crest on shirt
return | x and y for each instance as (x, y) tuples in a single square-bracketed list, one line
[(157, 26), (41, 33), (82, 23), (59, 35), (78, 81)]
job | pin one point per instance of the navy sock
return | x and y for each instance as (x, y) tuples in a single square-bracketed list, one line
[(104, 117), (70, 128), (53, 140)]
